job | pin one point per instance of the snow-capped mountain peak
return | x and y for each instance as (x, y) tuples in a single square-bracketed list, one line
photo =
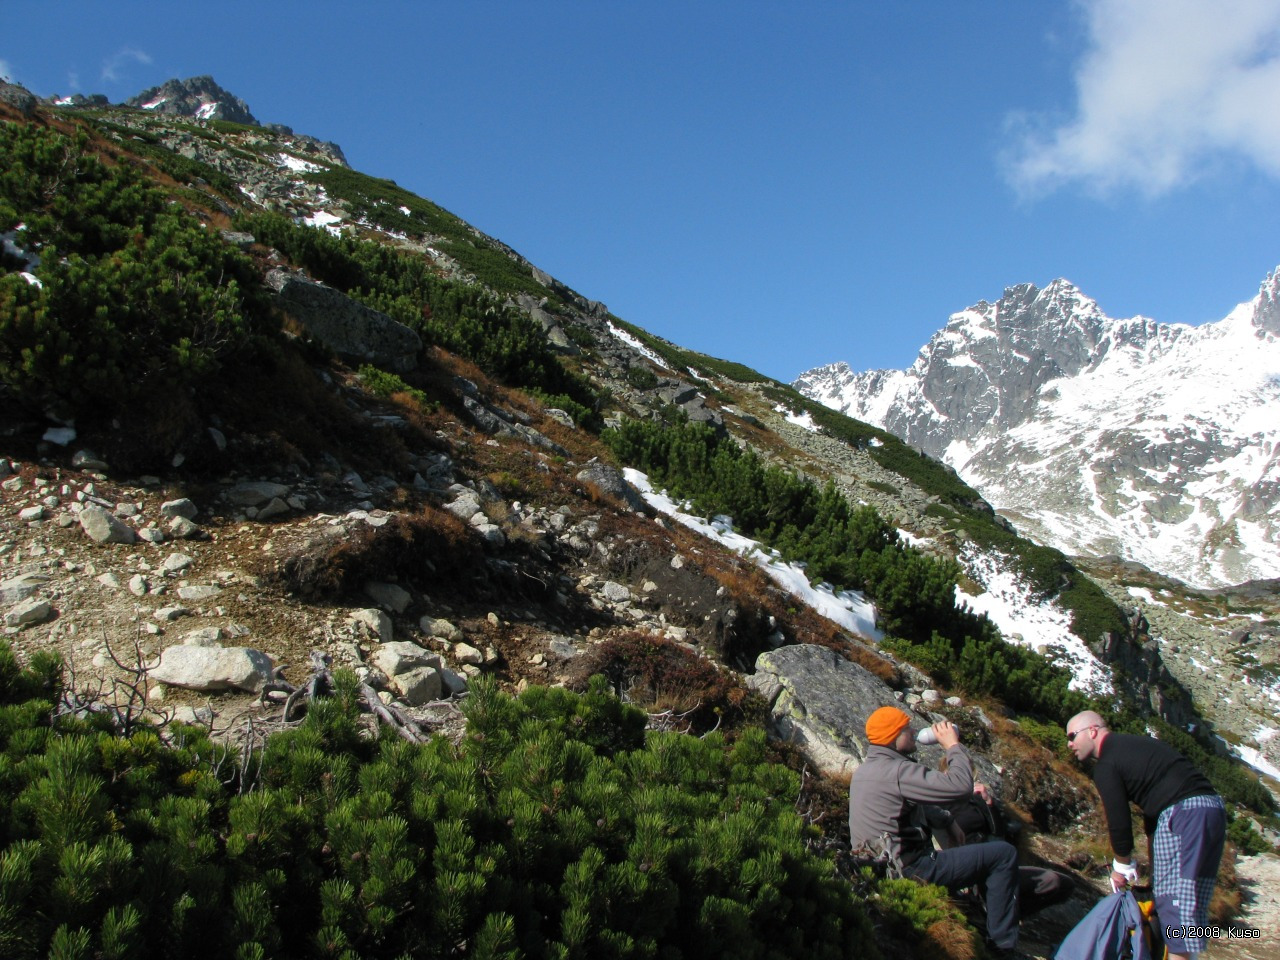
[(1158, 442)]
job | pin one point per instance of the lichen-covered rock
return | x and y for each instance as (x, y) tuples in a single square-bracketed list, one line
[(821, 702)]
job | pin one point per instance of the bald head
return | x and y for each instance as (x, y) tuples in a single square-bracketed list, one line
[(1086, 718), (1085, 733)]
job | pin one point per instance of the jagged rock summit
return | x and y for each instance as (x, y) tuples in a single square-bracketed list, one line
[(1156, 442), (199, 97)]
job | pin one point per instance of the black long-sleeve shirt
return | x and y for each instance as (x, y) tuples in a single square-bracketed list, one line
[(1145, 771)]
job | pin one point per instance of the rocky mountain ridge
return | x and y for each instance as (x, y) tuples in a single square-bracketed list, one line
[(199, 97), (1155, 442)]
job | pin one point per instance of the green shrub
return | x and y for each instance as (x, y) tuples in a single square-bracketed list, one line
[(556, 828), (136, 300), (381, 383), (642, 378), (849, 547), (1245, 837), (465, 319)]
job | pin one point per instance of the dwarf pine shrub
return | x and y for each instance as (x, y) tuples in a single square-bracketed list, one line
[(135, 298), (851, 547), (556, 828)]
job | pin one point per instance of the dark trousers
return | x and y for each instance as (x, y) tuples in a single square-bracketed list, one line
[(993, 867)]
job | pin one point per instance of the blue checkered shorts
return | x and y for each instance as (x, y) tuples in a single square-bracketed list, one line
[(1188, 847)]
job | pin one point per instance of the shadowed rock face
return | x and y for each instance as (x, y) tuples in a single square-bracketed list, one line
[(346, 326), (1267, 315)]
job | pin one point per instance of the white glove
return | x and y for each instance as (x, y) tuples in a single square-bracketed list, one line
[(1127, 870)]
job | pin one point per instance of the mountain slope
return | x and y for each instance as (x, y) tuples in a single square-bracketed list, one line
[(468, 505), (1157, 442)]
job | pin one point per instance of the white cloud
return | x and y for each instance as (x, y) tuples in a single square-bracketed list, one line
[(1165, 90), (112, 66), (6, 70)]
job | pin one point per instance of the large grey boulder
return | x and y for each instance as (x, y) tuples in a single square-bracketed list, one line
[(419, 686), (344, 325), (820, 702), (610, 481), (20, 587), (29, 611), (401, 656), (104, 527), (211, 669)]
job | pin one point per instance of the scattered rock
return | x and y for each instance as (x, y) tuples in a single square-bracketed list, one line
[(276, 508), (389, 596), (184, 529), (615, 592), (176, 563), (178, 508), (465, 653), (30, 611), (211, 669), (454, 683), (401, 656), (434, 627), (20, 587), (104, 527), (255, 494), (88, 460), (195, 594), (374, 621)]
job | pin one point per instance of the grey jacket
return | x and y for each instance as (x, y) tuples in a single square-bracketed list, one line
[(888, 795)]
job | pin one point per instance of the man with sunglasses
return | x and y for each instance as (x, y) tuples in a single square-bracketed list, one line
[(1184, 818)]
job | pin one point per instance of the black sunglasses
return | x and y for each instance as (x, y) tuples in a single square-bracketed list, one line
[(1071, 737)]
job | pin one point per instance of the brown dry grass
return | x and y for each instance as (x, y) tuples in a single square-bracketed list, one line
[(951, 939), (430, 545), (659, 675)]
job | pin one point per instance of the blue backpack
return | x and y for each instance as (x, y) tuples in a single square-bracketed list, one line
[(1114, 929)]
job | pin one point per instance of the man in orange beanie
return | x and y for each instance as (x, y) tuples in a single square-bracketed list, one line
[(891, 799)]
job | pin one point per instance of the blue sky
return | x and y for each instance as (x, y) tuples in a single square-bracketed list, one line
[(781, 184)]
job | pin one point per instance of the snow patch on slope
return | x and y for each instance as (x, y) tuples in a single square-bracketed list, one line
[(636, 345), (1023, 619), (848, 608)]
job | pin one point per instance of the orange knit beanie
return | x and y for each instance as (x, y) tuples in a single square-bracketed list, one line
[(884, 725)]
